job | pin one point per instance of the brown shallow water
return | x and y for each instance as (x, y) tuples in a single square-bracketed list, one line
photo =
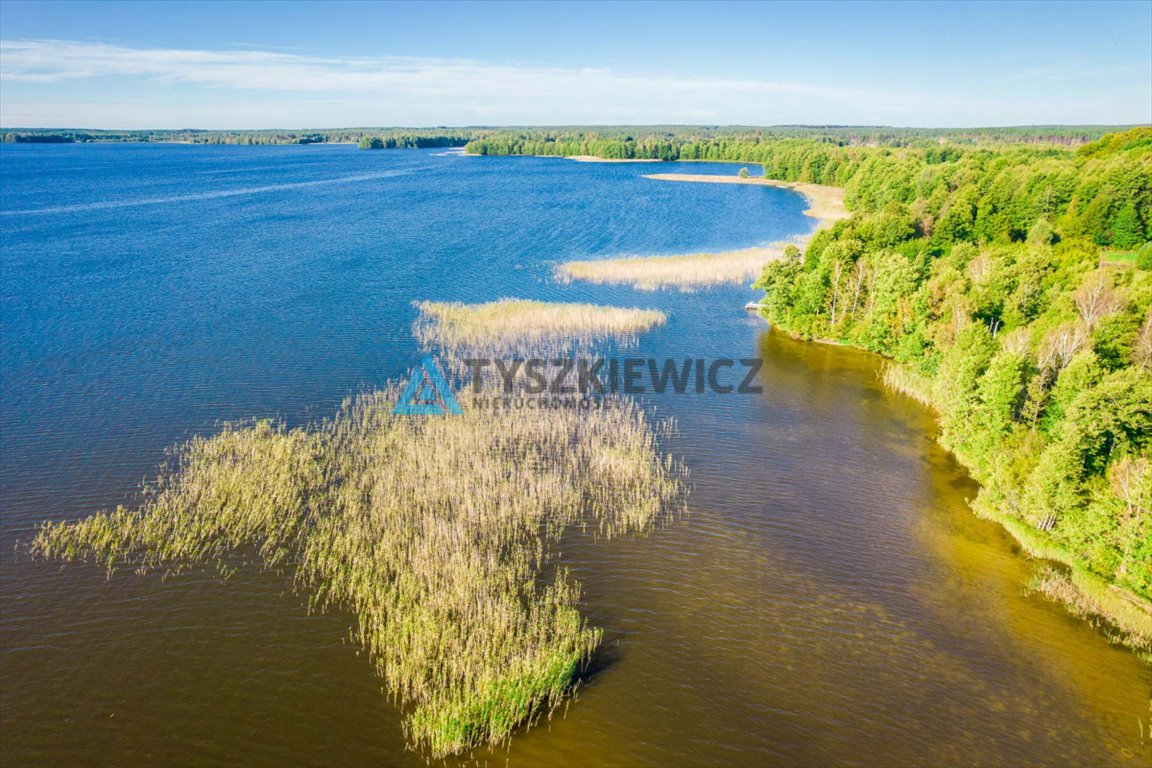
[(829, 600)]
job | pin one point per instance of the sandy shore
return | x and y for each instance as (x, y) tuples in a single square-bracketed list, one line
[(824, 203), (692, 271), (594, 159)]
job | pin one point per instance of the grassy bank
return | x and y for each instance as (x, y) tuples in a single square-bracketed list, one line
[(1126, 618), (436, 533)]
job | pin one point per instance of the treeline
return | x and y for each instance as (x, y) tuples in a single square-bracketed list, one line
[(399, 137), (1013, 288), (411, 141), (743, 144), (38, 138), (665, 142)]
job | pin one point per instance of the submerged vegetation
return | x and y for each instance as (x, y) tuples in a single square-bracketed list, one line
[(522, 323), (436, 533)]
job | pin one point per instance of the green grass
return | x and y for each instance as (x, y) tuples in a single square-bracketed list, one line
[(435, 532), (1118, 258)]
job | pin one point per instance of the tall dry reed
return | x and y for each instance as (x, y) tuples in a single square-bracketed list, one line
[(519, 324), (435, 532), (687, 272)]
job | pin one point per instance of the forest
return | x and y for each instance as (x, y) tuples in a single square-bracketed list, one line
[(410, 141), (746, 144), (1011, 288)]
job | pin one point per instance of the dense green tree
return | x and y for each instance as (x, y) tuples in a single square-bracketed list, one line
[(1127, 231), (1041, 233), (988, 282)]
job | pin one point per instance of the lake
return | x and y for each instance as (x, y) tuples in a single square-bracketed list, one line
[(829, 598)]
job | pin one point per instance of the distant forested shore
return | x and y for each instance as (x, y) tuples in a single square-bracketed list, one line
[(382, 137), (664, 142)]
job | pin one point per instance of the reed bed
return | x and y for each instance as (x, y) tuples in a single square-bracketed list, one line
[(902, 379), (434, 532), (522, 325), (687, 272), (1059, 585)]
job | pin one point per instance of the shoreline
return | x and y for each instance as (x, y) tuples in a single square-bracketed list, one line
[(826, 204), (690, 271), (1096, 599), (1118, 607), (1115, 605)]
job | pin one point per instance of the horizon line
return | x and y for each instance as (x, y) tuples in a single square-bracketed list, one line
[(510, 126)]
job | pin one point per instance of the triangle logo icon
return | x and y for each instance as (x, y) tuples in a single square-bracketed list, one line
[(427, 393)]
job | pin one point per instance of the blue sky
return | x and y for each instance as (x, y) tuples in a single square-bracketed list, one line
[(262, 65)]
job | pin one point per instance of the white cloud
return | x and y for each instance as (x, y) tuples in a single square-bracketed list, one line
[(153, 87), (465, 88), (49, 61)]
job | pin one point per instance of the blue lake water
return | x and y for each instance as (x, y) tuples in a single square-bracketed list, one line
[(829, 599), (153, 290)]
